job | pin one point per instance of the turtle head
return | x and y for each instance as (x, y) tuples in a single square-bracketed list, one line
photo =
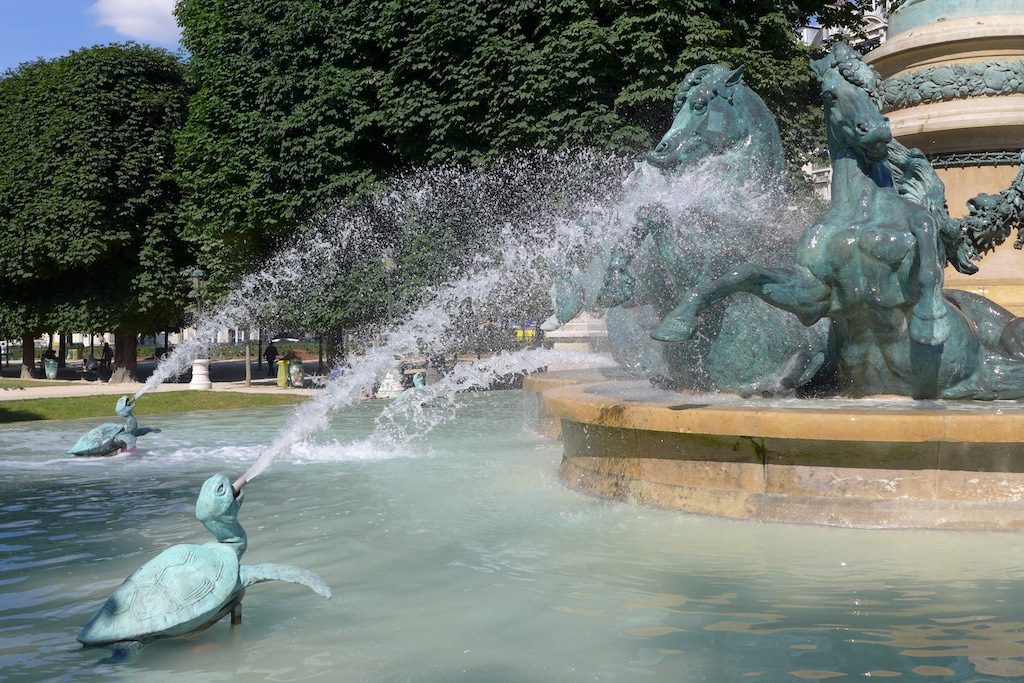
[(125, 406), (217, 508)]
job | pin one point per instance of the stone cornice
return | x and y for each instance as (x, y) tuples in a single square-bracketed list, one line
[(940, 41)]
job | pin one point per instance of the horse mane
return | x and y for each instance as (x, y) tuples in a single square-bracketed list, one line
[(914, 177), (691, 81), (852, 67)]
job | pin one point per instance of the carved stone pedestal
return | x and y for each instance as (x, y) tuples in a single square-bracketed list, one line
[(954, 87), (201, 375)]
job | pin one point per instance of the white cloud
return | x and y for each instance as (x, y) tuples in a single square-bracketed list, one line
[(141, 19)]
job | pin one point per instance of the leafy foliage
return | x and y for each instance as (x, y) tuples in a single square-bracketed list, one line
[(299, 103), (90, 236)]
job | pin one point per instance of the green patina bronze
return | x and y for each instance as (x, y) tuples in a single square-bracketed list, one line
[(187, 587), (721, 123), (872, 266), (992, 218), (110, 438)]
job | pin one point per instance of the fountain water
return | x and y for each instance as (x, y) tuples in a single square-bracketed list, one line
[(526, 215)]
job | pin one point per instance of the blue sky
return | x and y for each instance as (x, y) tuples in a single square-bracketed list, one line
[(50, 28)]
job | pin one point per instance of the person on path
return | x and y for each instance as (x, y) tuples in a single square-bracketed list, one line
[(271, 355), (107, 356)]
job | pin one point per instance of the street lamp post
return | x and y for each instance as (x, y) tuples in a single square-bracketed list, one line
[(200, 366)]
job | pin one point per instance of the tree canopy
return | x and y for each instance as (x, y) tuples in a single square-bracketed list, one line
[(90, 234), (299, 103)]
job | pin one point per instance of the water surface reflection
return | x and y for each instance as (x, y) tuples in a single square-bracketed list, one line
[(459, 557)]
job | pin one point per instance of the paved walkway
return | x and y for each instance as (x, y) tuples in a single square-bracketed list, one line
[(227, 376)]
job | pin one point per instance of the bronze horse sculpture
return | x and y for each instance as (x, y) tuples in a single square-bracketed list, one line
[(721, 128), (872, 266)]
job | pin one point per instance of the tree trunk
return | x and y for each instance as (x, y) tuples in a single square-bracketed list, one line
[(62, 350), (320, 354), (126, 365), (248, 362), (334, 344), (28, 355)]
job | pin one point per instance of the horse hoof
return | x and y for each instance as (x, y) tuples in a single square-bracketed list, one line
[(672, 332), (551, 324), (929, 332)]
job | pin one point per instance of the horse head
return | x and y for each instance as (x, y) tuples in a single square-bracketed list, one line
[(715, 112), (849, 89)]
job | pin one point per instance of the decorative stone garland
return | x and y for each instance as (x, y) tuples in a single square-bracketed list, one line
[(1009, 157), (952, 82)]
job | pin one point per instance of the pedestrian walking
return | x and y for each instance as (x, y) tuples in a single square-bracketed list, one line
[(271, 355)]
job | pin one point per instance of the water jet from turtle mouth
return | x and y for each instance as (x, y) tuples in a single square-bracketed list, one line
[(238, 484)]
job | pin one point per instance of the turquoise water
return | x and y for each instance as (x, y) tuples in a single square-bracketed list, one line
[(460, 557)]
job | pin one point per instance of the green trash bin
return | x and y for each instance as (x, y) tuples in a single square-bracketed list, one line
[(282, 374), (50, 367)]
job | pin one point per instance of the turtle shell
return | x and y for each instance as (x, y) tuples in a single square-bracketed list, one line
[(99, 440), (184, 588)]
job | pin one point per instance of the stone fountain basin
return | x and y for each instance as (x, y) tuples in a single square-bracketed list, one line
[(882, 462)]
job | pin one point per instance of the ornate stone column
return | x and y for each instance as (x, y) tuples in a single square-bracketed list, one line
[(954, 87)]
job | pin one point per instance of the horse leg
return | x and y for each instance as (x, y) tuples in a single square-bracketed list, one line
[(792, 289), (619, 284), (568, 298), (929, 318)]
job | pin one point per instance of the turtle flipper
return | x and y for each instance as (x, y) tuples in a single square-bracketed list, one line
[(124, 651), (126, 440), (142, 431), (258, 573)]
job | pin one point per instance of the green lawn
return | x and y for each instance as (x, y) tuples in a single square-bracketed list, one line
[(23, 383), (151, 404)]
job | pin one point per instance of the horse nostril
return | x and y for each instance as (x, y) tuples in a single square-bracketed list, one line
[(863, 127), (662, 146)]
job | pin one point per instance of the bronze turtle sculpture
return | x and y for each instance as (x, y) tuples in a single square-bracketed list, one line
[(189, 587), (110, 438)]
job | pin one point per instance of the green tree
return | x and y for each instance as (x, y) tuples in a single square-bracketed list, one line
[(299, 103), (90, 235)]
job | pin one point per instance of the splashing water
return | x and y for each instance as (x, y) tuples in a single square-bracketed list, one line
[(429, 326), (522, 220), (417, 411), (536, 195), (289, 269)]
